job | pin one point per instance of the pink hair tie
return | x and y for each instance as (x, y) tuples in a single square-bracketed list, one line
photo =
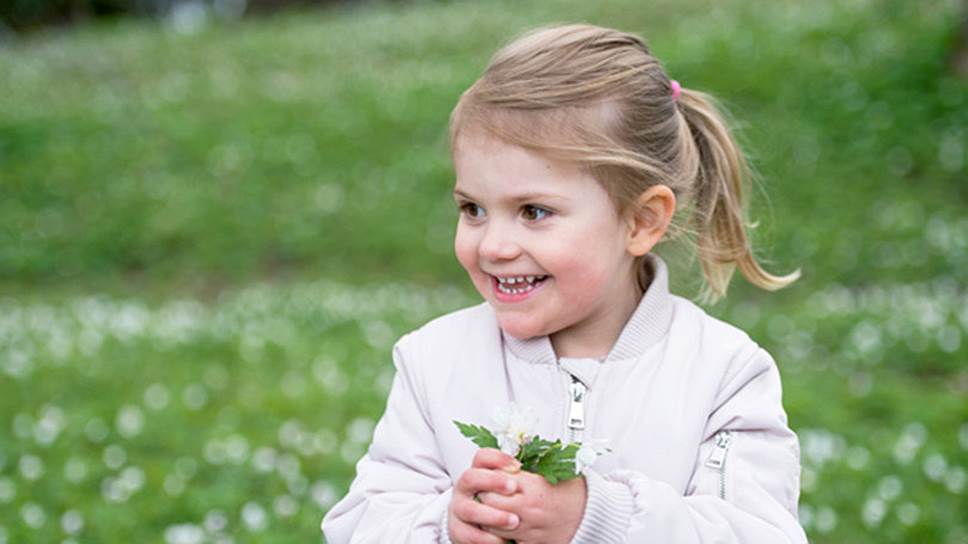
[(676, 90)]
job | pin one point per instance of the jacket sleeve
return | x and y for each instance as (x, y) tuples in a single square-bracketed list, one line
[(745, 482), (401, 491)]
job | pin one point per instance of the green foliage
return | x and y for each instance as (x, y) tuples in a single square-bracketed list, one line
[(531, 452), (553, 460), (557, 462), (478, 434)]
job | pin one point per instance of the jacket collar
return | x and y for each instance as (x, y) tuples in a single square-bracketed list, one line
[(648, 324)]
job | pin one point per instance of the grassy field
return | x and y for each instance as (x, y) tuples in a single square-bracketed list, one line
[(210, 240)]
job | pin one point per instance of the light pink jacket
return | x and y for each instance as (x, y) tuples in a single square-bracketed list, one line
[(691, 407)]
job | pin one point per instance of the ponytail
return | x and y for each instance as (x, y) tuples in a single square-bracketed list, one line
[(720, 199)]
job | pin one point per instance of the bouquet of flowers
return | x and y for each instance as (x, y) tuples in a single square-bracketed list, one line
[(513, 435)]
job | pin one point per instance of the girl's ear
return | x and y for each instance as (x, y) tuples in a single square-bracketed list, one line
[(649, 219)]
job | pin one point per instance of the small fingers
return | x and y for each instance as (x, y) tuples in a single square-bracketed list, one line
[(476, 513), (475, 480), (508, 503), (496, 459)]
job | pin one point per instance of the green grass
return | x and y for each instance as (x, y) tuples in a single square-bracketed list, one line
[(169, 203)]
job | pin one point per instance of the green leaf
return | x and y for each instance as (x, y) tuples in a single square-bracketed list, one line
[(558, 463), (552, 460), (531, 452), (478, 434)]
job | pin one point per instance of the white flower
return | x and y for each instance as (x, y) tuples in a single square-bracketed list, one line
[(508, 444), (588, 453), (514, 427)]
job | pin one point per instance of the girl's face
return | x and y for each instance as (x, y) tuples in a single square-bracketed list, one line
[(551, 231)]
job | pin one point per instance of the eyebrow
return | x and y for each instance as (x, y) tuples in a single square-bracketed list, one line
[(523, 197)]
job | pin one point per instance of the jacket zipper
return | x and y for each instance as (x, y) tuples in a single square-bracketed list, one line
[(576, 412), (717, 459)]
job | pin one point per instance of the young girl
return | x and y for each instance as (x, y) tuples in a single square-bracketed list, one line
[(573, 153)]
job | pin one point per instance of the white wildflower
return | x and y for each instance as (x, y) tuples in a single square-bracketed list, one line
[(588, 453), (514, 427)]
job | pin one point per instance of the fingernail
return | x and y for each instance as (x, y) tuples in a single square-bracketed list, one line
[(514, 466), (513, 521), (511, 486)]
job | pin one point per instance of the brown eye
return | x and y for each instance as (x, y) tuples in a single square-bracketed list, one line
[(472, 210), (534, 213)]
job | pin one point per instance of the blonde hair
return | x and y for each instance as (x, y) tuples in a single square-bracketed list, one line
[(598, 97)]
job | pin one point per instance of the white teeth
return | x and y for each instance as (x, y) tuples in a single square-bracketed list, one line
[(517, 279), (526, 283), (513, 291)]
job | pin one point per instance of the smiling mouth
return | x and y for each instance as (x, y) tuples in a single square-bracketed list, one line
[(518, 285)]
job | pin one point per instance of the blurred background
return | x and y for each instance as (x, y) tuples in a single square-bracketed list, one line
[(216, 217)]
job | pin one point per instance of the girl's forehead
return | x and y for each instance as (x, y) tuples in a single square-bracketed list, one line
[(496, 167), (489, 170), (471, 141)]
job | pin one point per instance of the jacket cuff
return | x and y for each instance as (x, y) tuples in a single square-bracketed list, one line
[(444, 536), (608, 511)]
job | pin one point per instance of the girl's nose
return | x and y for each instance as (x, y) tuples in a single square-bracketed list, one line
[(498, 244)]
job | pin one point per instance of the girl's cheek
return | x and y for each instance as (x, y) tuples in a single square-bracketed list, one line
[(461, 253), (466, 251)]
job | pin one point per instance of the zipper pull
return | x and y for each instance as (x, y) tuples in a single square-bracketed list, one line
[(718, 457), (576, 416)]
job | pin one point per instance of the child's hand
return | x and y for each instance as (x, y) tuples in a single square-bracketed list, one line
[(547, 513), (492, 472)]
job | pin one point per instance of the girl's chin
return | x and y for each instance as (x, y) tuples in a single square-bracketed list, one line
[(518, 329)]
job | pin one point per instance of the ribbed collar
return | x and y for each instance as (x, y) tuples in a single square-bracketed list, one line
[(648, 324)]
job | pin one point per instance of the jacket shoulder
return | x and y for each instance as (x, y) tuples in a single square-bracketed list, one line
[(720, 344), (709, 327), (733, 363)]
